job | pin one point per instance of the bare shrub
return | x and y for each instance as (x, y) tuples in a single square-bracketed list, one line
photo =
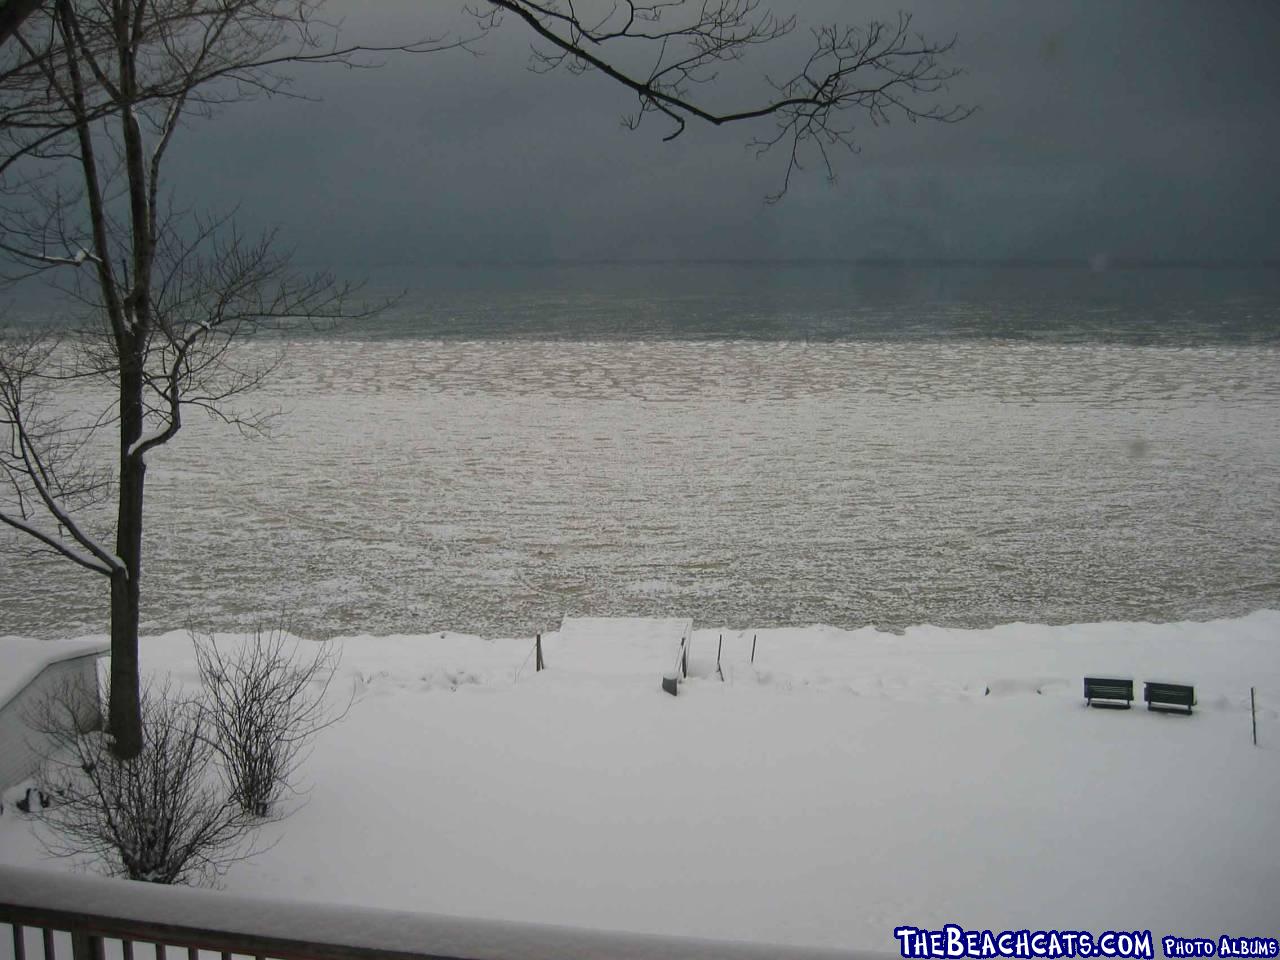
[(265, 702), (159, 817)]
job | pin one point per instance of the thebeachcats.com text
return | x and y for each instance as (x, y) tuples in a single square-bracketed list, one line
[(1224, 946), (953, 941)]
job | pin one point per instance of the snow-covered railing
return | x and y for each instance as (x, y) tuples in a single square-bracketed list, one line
[(60, 916)]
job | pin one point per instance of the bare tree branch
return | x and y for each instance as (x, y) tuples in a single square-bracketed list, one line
[(663, 50), (40, 461)]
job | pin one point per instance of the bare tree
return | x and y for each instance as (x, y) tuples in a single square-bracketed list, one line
[(92, 95), (664, 50), (158, 817), (266, 701)]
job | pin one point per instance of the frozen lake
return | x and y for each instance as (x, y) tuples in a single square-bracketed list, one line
[(494, 486)]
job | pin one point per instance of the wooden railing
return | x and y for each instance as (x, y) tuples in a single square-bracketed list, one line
[(60, 916)]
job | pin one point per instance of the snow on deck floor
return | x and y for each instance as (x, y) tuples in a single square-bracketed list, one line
[(844, 784)]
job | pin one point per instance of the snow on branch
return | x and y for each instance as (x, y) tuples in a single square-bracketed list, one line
[(107, 566), (40, 461)]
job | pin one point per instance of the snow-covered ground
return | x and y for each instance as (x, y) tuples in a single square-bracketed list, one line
[(843, 784)]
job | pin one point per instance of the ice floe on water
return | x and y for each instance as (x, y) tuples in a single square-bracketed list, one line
[(495, 486)]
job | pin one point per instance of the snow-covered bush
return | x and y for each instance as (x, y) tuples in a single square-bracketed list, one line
[(212, 764), (265, 702), (160, 817)]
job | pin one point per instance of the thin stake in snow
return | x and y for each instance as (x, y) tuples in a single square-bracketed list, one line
[(719, 647), (753, 648), (1253, 713), (538, 665)]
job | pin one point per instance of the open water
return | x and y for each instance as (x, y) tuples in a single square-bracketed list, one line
[(748, 445)]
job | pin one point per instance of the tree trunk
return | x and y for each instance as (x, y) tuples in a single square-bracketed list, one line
[(125, 715), (13, 13)]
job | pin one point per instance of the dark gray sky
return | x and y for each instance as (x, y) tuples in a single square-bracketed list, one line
[(1131, 128)]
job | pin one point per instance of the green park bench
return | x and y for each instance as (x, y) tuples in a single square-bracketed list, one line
[(1109, 692), (1169, 696)]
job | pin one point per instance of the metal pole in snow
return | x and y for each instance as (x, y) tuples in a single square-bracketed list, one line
[(538, 664), (753, 648), (1253, 712)]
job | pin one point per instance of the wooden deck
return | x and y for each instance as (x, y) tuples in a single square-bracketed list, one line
[(63, 916)]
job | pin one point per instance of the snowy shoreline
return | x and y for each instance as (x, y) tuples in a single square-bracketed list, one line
[(845, 783)]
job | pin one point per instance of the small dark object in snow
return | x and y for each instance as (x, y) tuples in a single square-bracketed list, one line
[(669, 682), (33, 799)]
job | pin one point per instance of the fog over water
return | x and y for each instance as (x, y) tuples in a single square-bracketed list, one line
[(953, 453)]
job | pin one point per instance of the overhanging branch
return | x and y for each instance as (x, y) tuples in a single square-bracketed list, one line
[(879, 72)]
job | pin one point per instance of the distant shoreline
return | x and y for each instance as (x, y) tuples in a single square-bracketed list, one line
[(1060, 263)]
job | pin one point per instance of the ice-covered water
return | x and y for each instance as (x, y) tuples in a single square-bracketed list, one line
[(494, 486)]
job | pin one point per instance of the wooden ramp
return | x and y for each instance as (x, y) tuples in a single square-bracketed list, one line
[(620, 646)]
